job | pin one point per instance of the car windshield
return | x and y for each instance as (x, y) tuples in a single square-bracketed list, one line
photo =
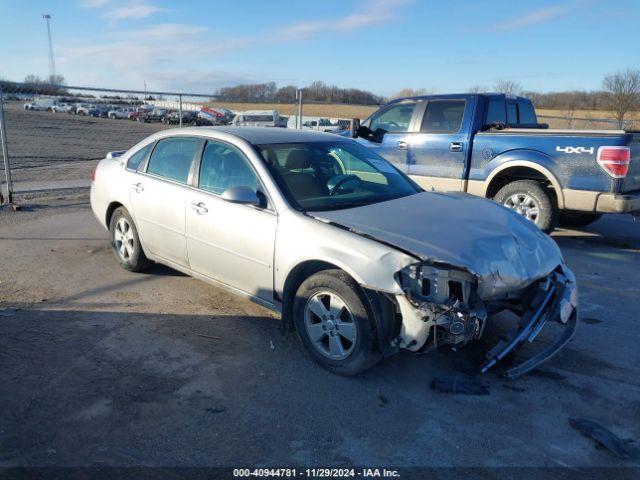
[(333, 175)]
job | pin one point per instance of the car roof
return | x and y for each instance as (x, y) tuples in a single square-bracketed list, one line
[(266, 135)]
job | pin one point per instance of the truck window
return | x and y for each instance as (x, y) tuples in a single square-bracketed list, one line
[(526, 113), (395, 118), (512, 113), (496, 111), (443, 116)]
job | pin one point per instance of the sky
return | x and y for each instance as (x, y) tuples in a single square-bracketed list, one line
[(377, 45)]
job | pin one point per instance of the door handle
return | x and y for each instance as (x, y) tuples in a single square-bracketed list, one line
[(200, 208), (402, 145), (137, 187), (455, 146)]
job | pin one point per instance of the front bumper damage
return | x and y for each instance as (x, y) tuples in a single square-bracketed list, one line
[(556, 300), (441, 306)]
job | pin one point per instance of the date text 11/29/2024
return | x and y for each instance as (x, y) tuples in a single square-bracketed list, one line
[(316, 472)]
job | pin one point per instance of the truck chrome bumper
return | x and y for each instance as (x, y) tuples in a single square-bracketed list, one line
[(555, 301), (598, 202), (620, 203)]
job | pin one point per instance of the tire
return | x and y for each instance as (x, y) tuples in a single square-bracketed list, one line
[(126, 242), (530, 199), (353, 329), (577, 219)]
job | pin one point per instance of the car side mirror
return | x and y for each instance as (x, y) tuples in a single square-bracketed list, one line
[(242, 195)]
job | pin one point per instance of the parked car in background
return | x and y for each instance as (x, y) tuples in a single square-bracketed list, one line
[(355, 255), (173, 118), (120, 112), (258, 118), (39, 104), (321, 125), (84, 109), (141, 110), (99, 111), (61, 108), (154, 116), (491, 145)]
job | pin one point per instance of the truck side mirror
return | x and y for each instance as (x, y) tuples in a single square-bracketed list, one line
[(354, 126)]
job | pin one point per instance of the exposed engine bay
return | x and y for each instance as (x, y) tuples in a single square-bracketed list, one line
[(442, 307)]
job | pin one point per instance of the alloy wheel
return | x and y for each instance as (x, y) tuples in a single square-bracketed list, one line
[(330, 325), (123, 239), (525, 205)]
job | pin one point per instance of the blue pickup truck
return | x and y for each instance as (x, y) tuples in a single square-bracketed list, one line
[(493, 146)]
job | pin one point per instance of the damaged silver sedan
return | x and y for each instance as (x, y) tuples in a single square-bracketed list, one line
[(358, 259)]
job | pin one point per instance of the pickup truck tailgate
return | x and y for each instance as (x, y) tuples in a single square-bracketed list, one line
[(632, 181)]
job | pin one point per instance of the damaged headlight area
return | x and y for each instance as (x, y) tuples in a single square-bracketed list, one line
[(442, 306)]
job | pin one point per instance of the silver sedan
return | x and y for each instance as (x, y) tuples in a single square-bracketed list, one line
[(357, 258)]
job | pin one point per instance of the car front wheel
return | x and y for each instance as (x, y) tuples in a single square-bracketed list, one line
[(126, 242), (334, 324)]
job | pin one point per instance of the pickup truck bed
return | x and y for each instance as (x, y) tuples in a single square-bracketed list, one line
[(483, 144)]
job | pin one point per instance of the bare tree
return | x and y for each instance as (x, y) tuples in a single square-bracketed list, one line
[(478, 89), (623, 89), (508, 87)]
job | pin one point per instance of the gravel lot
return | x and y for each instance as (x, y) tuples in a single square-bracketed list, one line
[(99, 366), (105, 367)]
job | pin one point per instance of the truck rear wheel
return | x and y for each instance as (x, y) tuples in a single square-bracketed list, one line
[(530, 199), (577, 219)]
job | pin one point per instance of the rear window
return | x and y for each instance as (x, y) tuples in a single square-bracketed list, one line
[(136, 158), (258, 118), (526, 112), (443, 116), (496, 111), (512, 113), (172, 157)]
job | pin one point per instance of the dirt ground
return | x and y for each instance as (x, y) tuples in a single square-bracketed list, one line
[(103, 367)]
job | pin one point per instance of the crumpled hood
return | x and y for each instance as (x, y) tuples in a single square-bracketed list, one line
[(504, 250)]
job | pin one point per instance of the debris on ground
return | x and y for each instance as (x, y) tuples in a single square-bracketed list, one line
[(540, 372), (271, 345), (604, 438), (508, 386), (216, 409), (383, 400), (591, 320), (459, 385), (208, 336)]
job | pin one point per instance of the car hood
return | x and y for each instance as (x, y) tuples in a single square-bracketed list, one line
[(504, 250)]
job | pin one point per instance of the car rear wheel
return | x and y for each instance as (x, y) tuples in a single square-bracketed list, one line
[(577, 219), (126, 242), (334, 324), (530, 199)]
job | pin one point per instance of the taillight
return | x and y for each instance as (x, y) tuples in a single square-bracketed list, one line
[(614, 160), (93, 175)]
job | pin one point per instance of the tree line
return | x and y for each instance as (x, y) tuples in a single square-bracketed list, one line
[(318, 92)]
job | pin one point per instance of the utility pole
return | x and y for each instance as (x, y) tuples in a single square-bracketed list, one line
[(5, 153), (52, 63)]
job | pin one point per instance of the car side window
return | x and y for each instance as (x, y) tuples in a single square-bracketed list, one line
[(172, 158), (443, 116), (223, 167), (496, 111), (394, 119), (136, 158)]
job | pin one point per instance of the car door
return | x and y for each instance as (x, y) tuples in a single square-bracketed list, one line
[(397, 120), (158, 197), (438, 153), (231, 243)]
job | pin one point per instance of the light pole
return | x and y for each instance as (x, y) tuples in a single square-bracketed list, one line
[(52, 63)]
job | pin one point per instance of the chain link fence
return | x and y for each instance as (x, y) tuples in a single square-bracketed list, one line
[(53, 135)]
